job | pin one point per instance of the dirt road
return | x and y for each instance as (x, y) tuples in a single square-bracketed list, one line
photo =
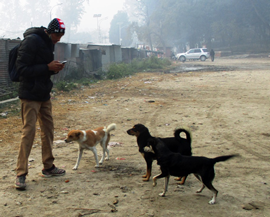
[(226, 106)]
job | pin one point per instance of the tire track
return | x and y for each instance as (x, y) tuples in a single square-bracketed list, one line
[(218, 120), (246, 149)]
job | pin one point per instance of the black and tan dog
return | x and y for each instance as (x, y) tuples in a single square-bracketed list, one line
[(175, 144), (175, 164)]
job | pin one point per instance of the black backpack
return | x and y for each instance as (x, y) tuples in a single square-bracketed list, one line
[(12, 71), (13, 74)]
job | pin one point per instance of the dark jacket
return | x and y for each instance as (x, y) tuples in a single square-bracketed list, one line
[(35, 52)]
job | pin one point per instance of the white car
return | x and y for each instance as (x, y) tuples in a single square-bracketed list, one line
[(193, 54)]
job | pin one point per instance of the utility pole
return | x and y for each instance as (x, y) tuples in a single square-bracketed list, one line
[(98, 27)]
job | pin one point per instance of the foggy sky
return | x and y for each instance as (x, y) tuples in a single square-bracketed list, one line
[(107, 9)]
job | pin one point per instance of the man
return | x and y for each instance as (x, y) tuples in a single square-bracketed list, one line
[(212, 55), (35, 64)]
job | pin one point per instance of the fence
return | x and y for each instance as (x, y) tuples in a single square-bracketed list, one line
[(88, 57)]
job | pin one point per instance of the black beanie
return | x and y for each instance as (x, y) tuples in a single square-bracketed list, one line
[(56, 26)]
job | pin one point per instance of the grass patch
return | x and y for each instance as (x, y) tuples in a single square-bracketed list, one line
[(115, 71), (10, 109)]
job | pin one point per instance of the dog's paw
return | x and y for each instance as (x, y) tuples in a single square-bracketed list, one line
[(211, 202), (178, 178), (107, 158), (96, 166), (162, 194), (154, 184), (200, 190), (75, 168)]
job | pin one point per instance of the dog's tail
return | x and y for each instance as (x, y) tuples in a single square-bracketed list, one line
[(186, 131), (111, 127), (224, 158)]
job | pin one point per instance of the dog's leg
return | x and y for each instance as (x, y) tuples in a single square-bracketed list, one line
[(106, 147), (201, 189), (213, 201), (215, 192), (155, 180), (147, 175), (203, 186), (148, 169), (182, 179), (207, 180), (178, 178), (161, 175), (80, 152), (102, 144), (166, 182), (94, 150), (108, 153)]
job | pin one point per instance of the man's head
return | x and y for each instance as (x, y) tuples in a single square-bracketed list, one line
[(56, 29)]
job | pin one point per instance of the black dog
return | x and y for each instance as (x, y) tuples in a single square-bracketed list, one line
[(176, 164), (175, 144)]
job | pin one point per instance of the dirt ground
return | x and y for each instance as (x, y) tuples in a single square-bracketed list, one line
[(226, 106)]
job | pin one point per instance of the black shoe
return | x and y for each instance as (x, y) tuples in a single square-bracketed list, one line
[(54, 172), (20, 182)]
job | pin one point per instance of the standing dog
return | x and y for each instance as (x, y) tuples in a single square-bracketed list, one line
[(175, 144), (176, 164), (89, 139)]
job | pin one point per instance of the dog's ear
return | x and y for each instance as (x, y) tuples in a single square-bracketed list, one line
[(78, 134), (141, 127)]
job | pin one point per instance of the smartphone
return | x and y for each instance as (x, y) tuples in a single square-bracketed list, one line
[(64, 62)]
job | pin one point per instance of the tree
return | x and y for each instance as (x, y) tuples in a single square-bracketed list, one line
[(71, 13), (118, 33), (142, 10), (12, 12), (17, 16), (37, 12), (199, 23)]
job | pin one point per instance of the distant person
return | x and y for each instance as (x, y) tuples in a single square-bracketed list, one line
[(212, 55), (35, 64), (173, 56)]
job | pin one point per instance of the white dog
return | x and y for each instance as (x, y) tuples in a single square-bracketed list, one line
[(89, 139)]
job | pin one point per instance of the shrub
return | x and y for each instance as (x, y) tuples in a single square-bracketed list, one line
[(74, 73), (65, 86), (115, 71), (118, 71), (9, 92)]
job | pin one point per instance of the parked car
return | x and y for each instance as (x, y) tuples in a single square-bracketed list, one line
[(194, 54)]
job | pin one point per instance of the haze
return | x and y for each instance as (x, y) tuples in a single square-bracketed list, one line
[(106, 8)]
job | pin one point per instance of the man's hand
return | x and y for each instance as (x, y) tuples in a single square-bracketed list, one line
[(56, 66)]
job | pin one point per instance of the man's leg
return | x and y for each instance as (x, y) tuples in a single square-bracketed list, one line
[(47, 133), (29, 112)]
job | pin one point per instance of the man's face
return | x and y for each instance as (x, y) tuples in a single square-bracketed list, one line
[(55, 37)]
